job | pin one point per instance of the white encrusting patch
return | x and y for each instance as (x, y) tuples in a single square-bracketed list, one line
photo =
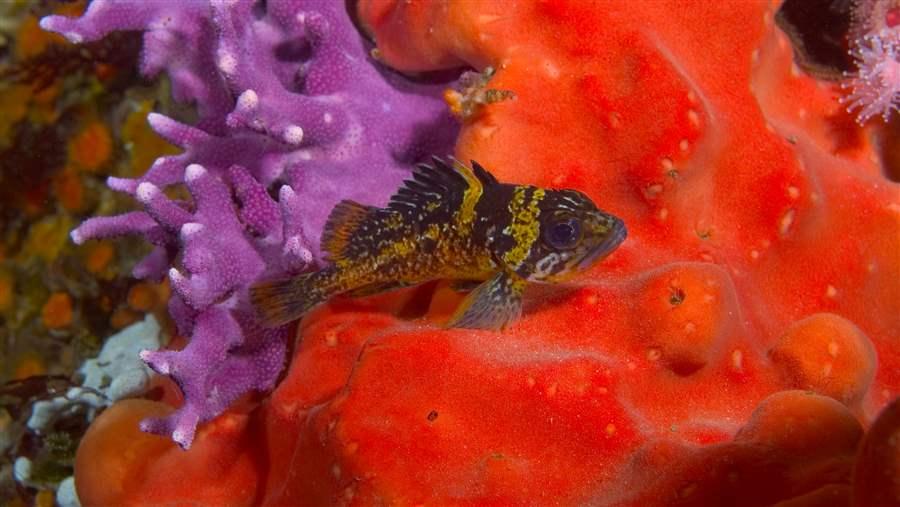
[(226, 62), (146, 191), (159, 121), (175, 276), (194, 172), (190, 228), (784, 225), (293, 134), (248, 100), (327, 118)]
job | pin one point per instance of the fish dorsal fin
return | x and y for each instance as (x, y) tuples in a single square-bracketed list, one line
[(340, 226), (442, 187), (432, 186), (487, 179)]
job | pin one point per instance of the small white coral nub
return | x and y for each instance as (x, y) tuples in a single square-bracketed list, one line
[(190, 228), (194, 172), (247, 101), (146, 191), (226, 61), (293, 134), (876, 85)]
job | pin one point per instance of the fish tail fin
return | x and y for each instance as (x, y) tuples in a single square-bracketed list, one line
[(281, 301)]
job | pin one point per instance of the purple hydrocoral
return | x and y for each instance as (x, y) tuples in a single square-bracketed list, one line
[(288, 98)]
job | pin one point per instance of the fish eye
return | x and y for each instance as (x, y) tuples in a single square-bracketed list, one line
[(563, 232)]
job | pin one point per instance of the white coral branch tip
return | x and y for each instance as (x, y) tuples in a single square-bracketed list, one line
[(146, 191), (194, 172)]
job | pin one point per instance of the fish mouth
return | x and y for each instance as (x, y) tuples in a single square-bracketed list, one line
[(612, 241)]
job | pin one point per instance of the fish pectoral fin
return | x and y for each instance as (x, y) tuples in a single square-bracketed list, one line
[(492, 305), (376, 288)]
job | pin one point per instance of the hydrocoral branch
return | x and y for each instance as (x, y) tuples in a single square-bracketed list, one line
[(289, 102)]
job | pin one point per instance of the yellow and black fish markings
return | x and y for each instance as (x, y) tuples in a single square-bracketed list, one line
[(455, 222)]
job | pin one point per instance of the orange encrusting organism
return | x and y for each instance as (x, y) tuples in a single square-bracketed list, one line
[(92, 147), (57, 311)]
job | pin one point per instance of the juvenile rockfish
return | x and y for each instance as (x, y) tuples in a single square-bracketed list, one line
[(451, 222)]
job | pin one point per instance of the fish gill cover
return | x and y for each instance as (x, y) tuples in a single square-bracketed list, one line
[(288, 99)]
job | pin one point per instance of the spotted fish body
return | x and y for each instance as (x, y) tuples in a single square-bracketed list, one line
[(451, 222)]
